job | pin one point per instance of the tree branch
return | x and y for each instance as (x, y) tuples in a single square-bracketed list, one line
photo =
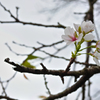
[(19, 68), (6, 97), (70, 89), (28, 23)]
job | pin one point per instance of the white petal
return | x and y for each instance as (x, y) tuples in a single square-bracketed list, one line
[(83, 25), (69, 31), (76, 26), (66, 39), (89, 36), (80, 37), (68, 42), (96, 61), (87, 26)]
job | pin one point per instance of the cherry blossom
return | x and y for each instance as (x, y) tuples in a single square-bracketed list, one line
[(89, 37), (86, 26), (71, 36), (96, 57)]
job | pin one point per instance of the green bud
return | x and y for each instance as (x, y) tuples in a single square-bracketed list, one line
[(79, 29), (73, 55)]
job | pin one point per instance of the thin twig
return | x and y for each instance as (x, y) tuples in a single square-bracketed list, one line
[(28, 23), (17, 8), (45, 82), (3, 88)]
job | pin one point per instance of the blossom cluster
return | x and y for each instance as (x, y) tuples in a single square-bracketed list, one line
[(82, 33)]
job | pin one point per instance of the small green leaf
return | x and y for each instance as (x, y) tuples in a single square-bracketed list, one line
[(27, 64), (30, 57)]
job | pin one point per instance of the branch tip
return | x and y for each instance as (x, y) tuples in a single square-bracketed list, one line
[(7, 60)]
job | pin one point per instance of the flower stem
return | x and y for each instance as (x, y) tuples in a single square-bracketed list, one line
[(93, 46)]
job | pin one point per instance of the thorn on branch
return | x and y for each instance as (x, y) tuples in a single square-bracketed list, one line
[(62, 79), (76, 77), (44, 68)]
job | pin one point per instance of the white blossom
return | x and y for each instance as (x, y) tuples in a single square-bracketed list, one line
[(87, 26), (71, 36), (89, 37)]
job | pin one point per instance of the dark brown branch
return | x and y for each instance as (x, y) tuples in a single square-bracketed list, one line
[(19, 68), (88, 16), (70, 89), (89, 91), (6, 97), (68, 67)]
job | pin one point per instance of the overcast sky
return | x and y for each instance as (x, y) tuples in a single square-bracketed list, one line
[(31, 11)]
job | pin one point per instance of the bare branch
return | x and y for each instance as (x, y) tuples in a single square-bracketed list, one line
[(3, 88), (15, 52), (92, 70), (70, 89), (8, 12), (46, 85), (6, 97), (28, 23)]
